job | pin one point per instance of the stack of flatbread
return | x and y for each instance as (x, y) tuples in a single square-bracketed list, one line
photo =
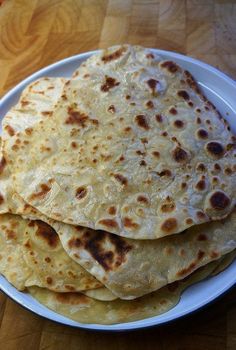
[(117, 188)]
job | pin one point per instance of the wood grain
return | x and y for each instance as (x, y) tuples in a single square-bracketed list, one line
[(35, 33)]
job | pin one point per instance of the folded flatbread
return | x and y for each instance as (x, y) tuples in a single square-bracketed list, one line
[(87, 310), (132, 147), (31, 255)]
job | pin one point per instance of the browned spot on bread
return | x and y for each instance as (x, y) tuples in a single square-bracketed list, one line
[(168, 207), (110, 83), (164, 133), (198, 110), (214, 254), (15, 147), (189, 221), (70, 288), (165, 172), (128, 97), (200, 254), (2, 164), (202, 134), (228, 171), (201, 215), (142, 163), (47, 259), (129, 223), (201, 167), (156, 154), (49, 280), (44, 190), (72, 298), (192, 265), (215, 149), (198, 120), (110, 223), (193, 84), (47, 233), (142, 121), (170, 66), (32, 223), (29, 131), (96, 243), (76, 117), (141, 153), (73, 144), (215, 180), (173, 111), (10, 234), (219, 200), (217, 167), (142, 199), (178, 123), (47, 113), (201, 185), (112, 210), (28, 245), (190, 103), (159, 118), (1, 199), (184, 185), (24, 103), (81, 192), (94, 121), (10, 130), (180, 155), (150, 104), (152, 83), (114, 56), (111, 109), (144, 140), (183, 94), (74, 243), (122, 179), (169, 225), (201, 237), (127, 129)]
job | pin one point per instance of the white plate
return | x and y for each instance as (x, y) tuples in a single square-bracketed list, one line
[(221, 90)]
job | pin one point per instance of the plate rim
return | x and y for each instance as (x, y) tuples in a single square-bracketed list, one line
[(130, 325)]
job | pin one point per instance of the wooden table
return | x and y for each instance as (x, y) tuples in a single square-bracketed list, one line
[(35, 33)]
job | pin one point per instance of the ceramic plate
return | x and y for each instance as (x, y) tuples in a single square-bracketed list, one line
[(219, 89)]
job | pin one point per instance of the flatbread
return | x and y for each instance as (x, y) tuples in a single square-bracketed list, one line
[(87, 310), (132, 268), (113, 260), (20, 274), (133, 147), (31, 255), (37, 98)]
